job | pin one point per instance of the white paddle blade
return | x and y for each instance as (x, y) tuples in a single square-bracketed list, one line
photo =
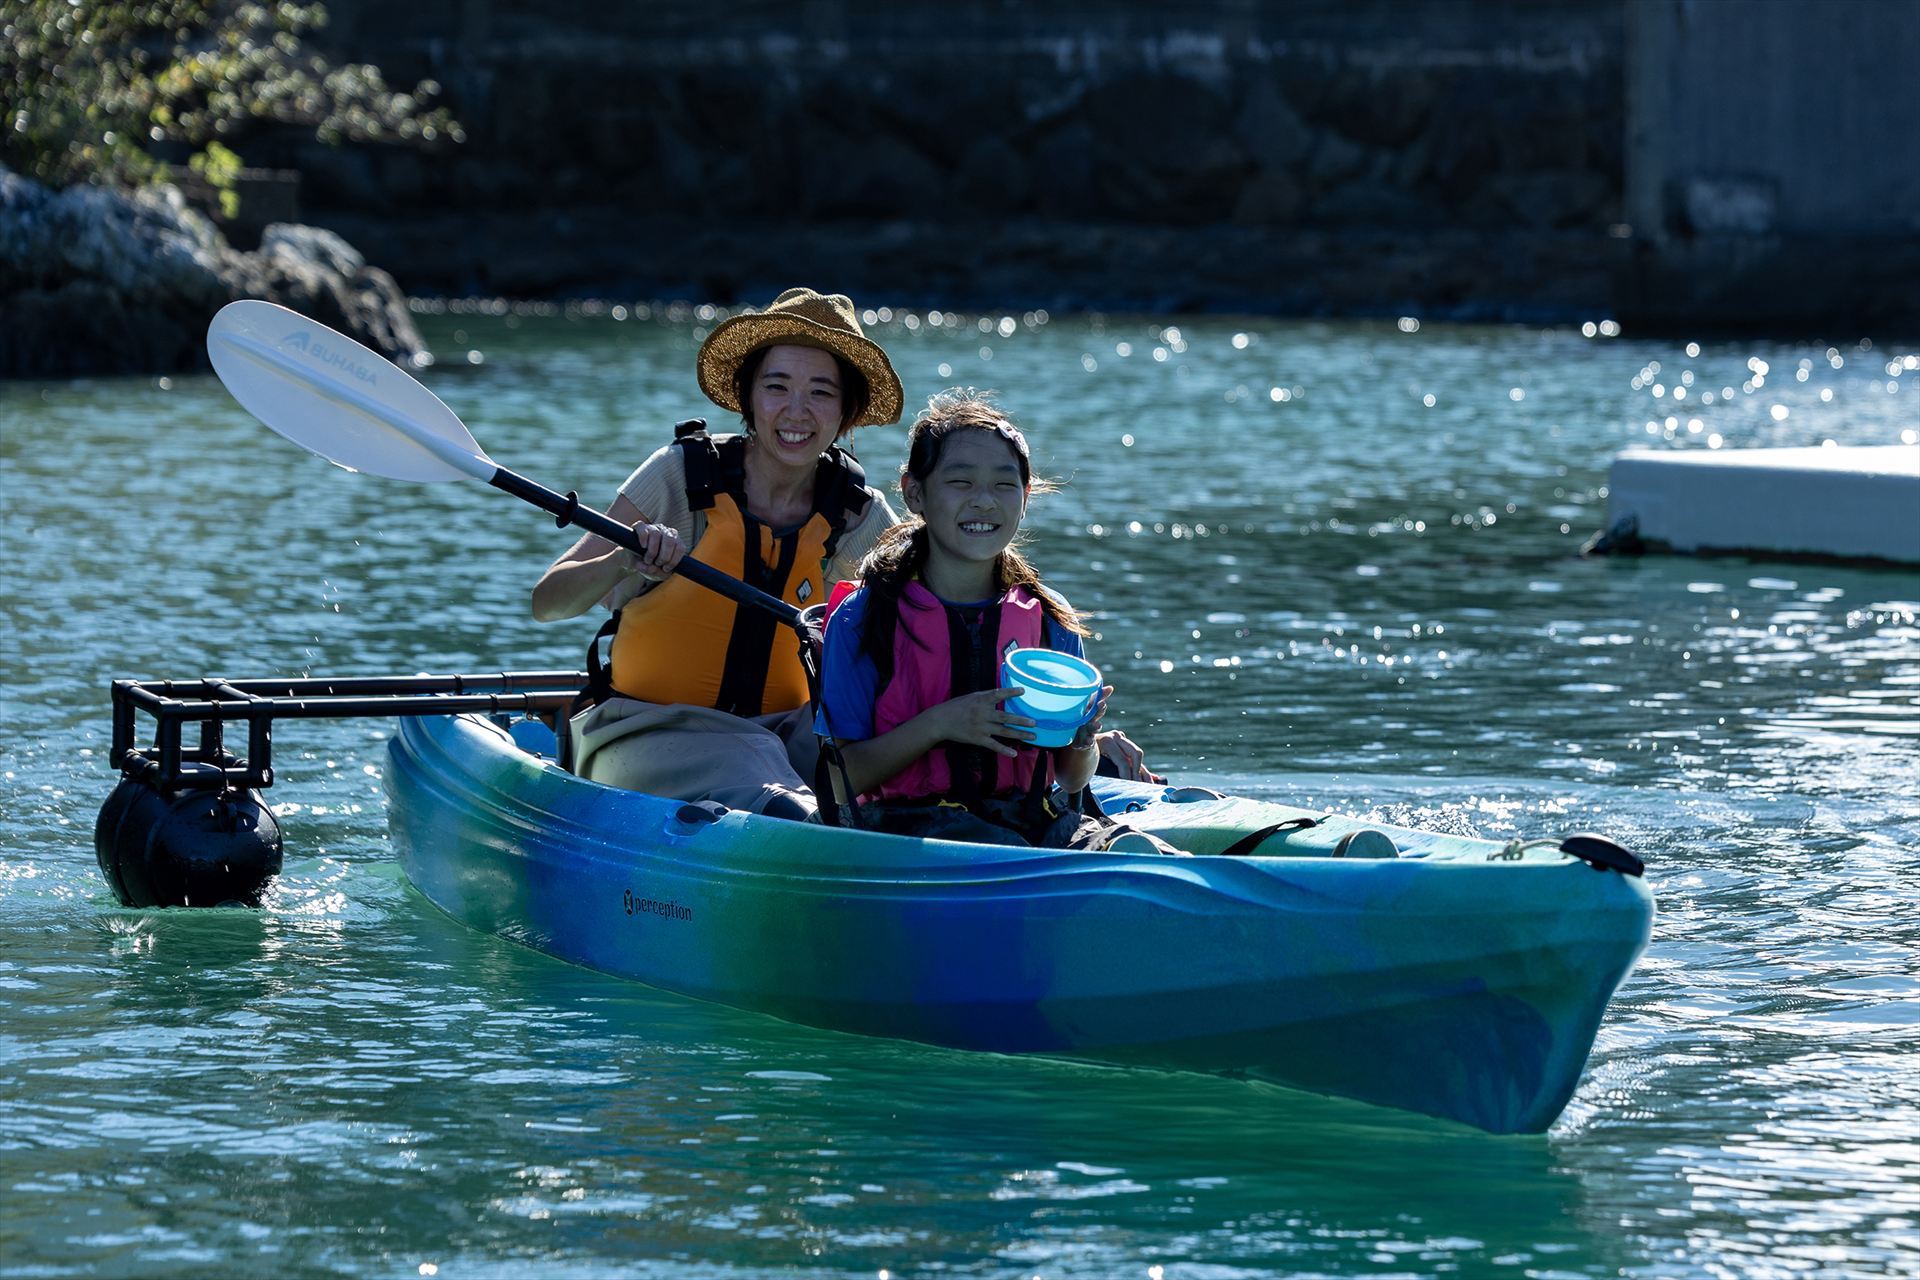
[(334, 397)]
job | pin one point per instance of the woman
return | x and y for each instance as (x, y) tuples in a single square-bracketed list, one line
[(707, 700)]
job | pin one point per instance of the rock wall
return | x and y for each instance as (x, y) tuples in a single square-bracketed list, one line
[(1463, 155), (1308, 114)]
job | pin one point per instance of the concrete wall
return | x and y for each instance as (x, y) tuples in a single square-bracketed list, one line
[(1790, 117)]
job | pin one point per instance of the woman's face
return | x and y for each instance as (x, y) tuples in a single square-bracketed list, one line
[(797, 403), (973, 499)]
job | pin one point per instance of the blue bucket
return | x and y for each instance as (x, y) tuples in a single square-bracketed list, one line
[(1058, 692)]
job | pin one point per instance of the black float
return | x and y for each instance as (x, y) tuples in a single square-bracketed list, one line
[(189, 827), (199, 846)]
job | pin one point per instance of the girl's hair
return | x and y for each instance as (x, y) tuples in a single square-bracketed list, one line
[(855, 392), (901, 553)]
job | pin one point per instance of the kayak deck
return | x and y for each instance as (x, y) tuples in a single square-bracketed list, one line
[(1465, 979)]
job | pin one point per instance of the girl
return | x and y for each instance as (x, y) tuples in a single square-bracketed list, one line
[(912, 658)]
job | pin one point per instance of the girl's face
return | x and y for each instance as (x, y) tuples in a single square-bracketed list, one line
[(797, 404), (973, 499)]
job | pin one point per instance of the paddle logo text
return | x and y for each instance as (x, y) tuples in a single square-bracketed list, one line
[(299, 341)]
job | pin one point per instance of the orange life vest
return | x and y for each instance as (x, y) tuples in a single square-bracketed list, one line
[(681, 643)]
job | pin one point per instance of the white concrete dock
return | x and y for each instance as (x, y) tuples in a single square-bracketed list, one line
[(1856, 502)]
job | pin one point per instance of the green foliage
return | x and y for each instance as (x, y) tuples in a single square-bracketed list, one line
[(220, 168), (88, 86)]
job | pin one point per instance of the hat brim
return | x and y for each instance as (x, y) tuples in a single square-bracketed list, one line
[(734, 340)]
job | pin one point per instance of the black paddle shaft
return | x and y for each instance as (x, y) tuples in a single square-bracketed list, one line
[(566, 509)]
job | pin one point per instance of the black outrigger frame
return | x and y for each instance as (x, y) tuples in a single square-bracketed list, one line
[(212, 703), (171, 765)]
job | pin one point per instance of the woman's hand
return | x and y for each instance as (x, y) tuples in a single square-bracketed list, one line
[(978, 720), (1126, 756), (590, 569), (660, 551)]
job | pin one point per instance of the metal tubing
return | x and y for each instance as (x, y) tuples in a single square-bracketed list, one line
[(399, 704), (210, 703), (167, 747), (122, 724), (506, 681), (260, 750)]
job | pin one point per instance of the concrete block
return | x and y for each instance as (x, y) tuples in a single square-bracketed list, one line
[(1859, 502)]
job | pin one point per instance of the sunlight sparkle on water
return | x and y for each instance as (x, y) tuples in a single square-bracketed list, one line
[(1754, 741)]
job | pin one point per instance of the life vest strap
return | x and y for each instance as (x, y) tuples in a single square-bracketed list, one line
[(598, 689), (712, 466), (743, 676), (839, 493), (968, 768)]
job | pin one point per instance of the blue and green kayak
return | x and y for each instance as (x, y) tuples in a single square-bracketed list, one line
[(1463, 978)]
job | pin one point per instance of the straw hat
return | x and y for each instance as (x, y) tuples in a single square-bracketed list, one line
[(805, 319)]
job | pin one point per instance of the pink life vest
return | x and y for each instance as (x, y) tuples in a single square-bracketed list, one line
[(931, 648)]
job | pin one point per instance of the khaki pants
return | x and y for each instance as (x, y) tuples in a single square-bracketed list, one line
[(697, 753)]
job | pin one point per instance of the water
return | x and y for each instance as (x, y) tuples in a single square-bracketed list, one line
[(1309, 583)]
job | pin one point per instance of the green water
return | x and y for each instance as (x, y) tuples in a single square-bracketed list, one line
[(1309, 583)]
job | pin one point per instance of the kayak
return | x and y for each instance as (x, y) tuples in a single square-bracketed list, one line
[(1457, 977)]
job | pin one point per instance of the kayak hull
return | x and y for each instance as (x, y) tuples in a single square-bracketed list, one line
[(1463, 980)]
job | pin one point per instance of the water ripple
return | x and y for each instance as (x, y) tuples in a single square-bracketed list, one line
[(1331, 564)]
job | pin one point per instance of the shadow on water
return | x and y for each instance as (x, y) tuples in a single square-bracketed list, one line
[(639, 1117)]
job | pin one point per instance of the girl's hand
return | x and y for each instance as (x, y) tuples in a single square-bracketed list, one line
[(1126, 756), (1087, 732), (660, 551), (978, 720)]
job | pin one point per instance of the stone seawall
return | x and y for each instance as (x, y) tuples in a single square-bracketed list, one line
[(1466, 158), (1321, 115), (1319, 157)]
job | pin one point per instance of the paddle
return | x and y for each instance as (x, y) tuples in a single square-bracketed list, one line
[(332, 396)]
